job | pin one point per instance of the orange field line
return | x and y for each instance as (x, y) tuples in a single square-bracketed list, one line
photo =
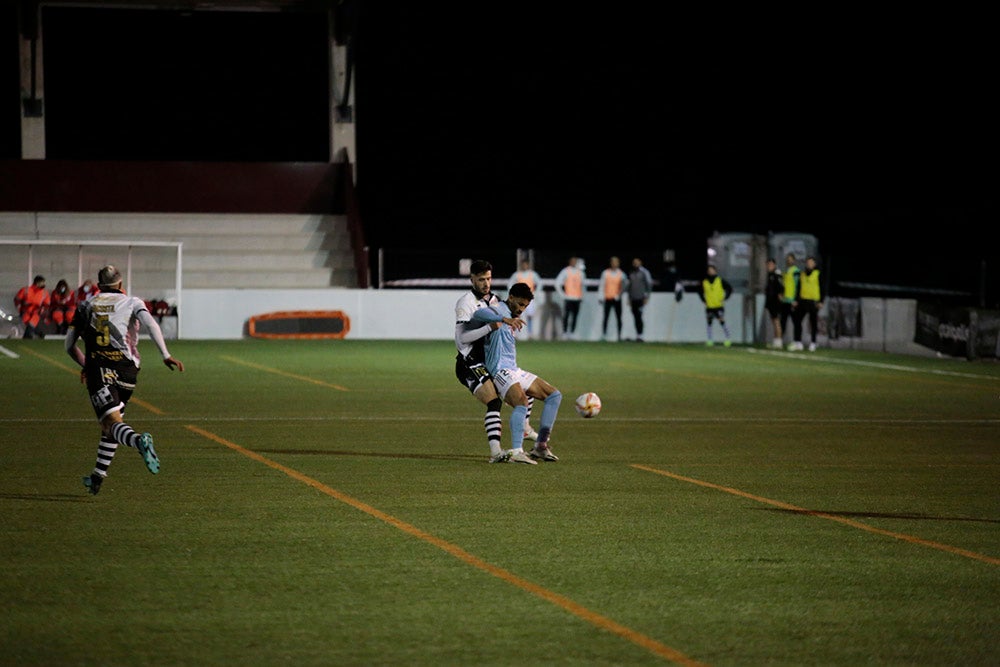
[(277, 371), (823, 515), (569, 605)]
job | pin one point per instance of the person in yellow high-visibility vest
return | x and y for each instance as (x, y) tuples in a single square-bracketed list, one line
[(808, 304), (714, 292), (789, 297)]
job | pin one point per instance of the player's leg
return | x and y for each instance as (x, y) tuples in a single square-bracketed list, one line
[(541, 389), (477, 380), (509, 387), (487, 394), (725, 329), (529, 433)]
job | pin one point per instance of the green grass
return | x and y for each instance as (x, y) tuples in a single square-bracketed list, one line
[(329, 503)]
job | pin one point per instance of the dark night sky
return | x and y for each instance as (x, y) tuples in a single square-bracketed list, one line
[(655, 128), (613, 128)]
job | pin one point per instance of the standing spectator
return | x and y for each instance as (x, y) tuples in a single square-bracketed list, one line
[(640, 286), (610, 295), (789, 296), (773, 290), (32, 302), (109, 325), (530, 277), (513, 384), (62, 305), (569, 285), (714, 292), (470, 360), (809, 303)]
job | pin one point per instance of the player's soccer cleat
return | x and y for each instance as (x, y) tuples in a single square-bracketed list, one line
[(520, 457), (728, 343), (709, 343), (145, 448), (542, 452), (812, 347), (530, 433), (93, 482), (502, 457)]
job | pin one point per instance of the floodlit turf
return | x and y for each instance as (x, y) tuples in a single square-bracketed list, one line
[(330, 503)]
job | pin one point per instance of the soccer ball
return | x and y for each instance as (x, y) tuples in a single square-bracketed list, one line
[(588, 405)]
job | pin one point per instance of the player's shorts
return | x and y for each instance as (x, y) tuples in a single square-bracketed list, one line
[(773, 309), (472, 374), (110, 385), (508, 377), (715, 314)]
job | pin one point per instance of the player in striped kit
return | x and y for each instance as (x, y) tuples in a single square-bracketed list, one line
[(109, 325), (470, 366), (514, 385)]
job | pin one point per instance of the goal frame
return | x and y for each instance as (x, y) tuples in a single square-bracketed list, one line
[(30, 244)]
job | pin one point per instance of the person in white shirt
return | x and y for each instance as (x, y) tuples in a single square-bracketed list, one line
[(109, 324), (470, 360)]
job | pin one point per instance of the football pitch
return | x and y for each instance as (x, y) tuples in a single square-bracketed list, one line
[(331, 503)]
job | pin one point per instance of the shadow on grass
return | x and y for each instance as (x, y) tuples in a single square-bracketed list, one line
[(883, 515), (50, 497)]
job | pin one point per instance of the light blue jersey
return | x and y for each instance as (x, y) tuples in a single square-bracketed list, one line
[(501, 346)]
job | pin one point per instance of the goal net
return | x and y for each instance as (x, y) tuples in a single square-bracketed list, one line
[(151, 270)]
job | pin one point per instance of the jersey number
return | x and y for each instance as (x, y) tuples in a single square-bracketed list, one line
[(103, 331)]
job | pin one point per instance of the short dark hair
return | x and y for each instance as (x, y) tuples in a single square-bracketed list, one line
[(479, 266), (108, 276), (38, 279), (521, 290)]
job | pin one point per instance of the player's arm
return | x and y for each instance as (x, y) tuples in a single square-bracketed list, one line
[(468, 332), (486, 314), (490, 314), (72, 335), (156, 334)]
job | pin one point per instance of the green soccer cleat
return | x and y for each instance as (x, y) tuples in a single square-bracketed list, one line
[(145, 448)]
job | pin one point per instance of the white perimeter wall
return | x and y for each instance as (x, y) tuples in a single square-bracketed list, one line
[(422, 314), (888, 324)]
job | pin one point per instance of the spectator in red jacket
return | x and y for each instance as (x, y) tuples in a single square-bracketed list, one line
[(86, 291), (32, 302), (62, 306)]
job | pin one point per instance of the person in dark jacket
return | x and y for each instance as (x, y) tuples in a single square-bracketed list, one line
[(773, 289)]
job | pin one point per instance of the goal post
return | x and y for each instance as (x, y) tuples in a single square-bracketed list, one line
[(151, 270)]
